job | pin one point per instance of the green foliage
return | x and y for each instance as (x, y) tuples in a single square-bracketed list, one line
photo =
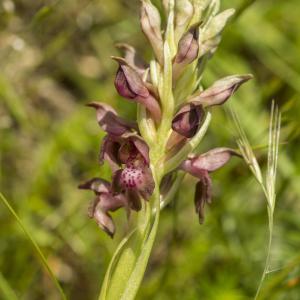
[(54, 57)]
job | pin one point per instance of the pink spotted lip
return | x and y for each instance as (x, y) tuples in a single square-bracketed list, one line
[(132, 177)]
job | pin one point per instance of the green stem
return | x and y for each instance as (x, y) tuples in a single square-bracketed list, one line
[(35, 246), (129, 262), (268, 257)]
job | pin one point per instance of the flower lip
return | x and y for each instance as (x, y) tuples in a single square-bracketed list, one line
[(136, 178), (104, 203)]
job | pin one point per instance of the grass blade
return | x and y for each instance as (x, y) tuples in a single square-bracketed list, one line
[(35, 246), (7, 292)]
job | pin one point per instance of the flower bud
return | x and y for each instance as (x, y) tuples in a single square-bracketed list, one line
[(150, 23), (220, 91), (187, 52), (130, 85), (186, 122), (211, 33), (183, 14), (188, 47)]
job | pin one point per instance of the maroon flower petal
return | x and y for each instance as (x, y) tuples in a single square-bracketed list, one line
[(186, 122), (203, 195), (130, 85), (96, 185), (128, 82), (132, 58), (209, 161), (103, 219), (109, 152), (132, 178), (213, 159), (134, 148), (100, 208), (134, 200), (109, 121), (188, 47), (220, 91)]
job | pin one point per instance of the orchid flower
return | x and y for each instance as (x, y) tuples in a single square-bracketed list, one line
[(200, 166)]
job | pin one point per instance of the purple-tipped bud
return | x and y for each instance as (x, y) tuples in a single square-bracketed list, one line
[(150, 23), (109, 120), (128, 82), (130, 85), (184, 12), (187, 121), (188, 47), (220, 91)]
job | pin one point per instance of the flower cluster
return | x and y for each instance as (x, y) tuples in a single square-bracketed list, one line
[(128, 156), (173, 107)]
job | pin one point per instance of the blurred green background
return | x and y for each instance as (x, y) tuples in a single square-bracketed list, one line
[(54, 57)]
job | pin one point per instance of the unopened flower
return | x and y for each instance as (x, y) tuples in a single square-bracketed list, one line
[(188, 48), (184, 13), (187, 121), (130, 85), (150, 23), (200, 166), (220, 91)]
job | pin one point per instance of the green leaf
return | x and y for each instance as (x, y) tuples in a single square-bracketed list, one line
[(35, 246)]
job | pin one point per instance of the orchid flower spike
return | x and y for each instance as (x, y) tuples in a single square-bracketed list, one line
[(147, 154)]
